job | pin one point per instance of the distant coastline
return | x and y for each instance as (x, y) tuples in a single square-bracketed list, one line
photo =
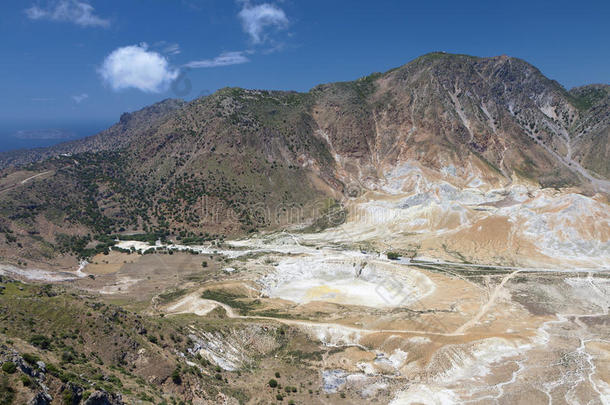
[(15, 137)]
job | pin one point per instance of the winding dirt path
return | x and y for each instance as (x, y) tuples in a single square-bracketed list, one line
[(485, 307), (34, 176), (231, 313), (14, 185)]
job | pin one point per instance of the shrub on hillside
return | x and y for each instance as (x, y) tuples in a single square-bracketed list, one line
[(40, 341), (176, 378), (9, 367), (393, 255)]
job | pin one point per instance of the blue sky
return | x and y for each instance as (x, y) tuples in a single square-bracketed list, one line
[(78, 63)]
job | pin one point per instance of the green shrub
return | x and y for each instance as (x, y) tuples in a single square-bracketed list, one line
[(41, 341), (176, 378), (52, 368), (30, 358), (393, 255), (68, 397), (277, 374), (272, 383), (9, 367), (25, 380)]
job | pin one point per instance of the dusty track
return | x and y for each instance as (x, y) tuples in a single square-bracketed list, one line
[(24, 181), (295, 322), (485, 307), (34, 176)]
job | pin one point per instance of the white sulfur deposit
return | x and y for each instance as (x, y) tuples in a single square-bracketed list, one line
[(341, 280)]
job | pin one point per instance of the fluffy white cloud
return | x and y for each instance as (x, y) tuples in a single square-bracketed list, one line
[(224, 59), (78, 12), (255, 19), (137, 67), (80, 98)]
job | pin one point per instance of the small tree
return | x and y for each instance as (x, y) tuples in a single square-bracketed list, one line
[(272, 383)]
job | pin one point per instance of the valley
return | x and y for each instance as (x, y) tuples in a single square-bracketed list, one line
[(421, 327), (397, 331)]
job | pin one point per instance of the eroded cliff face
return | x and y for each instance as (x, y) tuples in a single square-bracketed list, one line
[(456, 157), (442, 107)]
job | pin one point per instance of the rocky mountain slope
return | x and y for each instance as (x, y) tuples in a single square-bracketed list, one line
[(593, 129), (237, 161)]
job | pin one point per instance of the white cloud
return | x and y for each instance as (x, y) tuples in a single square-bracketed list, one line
[(78, 12), (167, 48), (80, 98), (255, 19), (172, 49), (224, 59), (136, 67)]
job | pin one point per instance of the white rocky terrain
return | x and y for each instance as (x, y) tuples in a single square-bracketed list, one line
[(501, 293), (483, 333)]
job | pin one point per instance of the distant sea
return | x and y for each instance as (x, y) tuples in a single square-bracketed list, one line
[(24, 135)]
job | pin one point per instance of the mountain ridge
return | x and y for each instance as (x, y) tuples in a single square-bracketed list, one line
[(169, 105), (119, 135), (245, 153)]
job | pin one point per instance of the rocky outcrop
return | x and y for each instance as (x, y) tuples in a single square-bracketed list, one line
[(103, 398), (71, 394), (41, 398)]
